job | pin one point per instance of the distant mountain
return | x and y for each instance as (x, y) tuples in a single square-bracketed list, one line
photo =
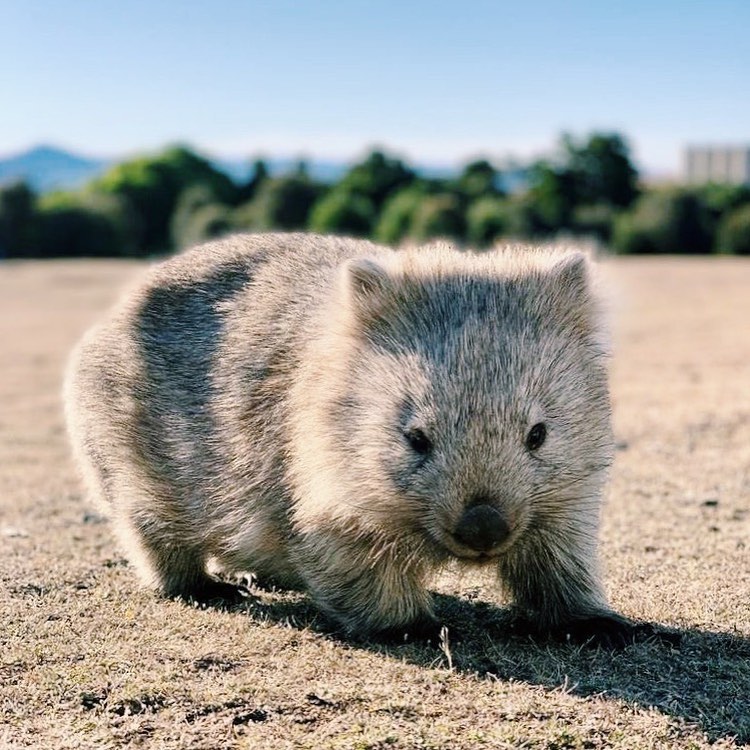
[(46, 168)]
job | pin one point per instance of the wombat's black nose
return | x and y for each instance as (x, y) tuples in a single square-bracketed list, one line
[(481, 528)]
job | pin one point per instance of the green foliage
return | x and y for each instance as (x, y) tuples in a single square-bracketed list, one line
[(342, 212), (553, 194), (17, 213), (591, 179), (734, 231), (191, 222), (281, 203), (478, 179), (438, 216), (719, 199), (377, 177), (153, 185), (249, 190), (601, 169), (595, 220), (487, 221), (665, 221), (522, 216), (176, 199), (84, 224), (398, 214)]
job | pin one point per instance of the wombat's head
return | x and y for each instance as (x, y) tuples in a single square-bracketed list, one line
[(472, 407)]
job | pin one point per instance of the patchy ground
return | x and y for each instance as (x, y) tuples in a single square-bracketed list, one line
[(87, 660)]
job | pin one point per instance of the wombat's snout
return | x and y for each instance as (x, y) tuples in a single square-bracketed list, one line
[(481, 528)]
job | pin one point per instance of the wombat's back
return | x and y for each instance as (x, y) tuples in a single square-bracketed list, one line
[(161, 399)]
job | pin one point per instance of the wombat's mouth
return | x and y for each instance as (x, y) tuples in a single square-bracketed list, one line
[(454, 548)]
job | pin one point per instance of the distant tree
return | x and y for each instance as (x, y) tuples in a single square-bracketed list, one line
[(342, 212), (398, 214), (553, 195), (594, 220), (281, 203), (184, 230), (377, 177), (721, 199), (153, 185), (523, 221), (207, 222), (664, 221), (486, 221), (596, 171), (258, 176), (84, 224), (734, 231), (478, 179), (601, 169), (438, 216), (17, 216)]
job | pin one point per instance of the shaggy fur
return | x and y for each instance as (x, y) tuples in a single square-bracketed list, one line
[(251, 402)]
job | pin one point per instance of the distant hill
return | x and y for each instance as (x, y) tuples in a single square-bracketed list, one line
[(46, 168)]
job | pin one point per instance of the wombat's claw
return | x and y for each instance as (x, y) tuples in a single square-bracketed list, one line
[(612, 632), (422, 630), (219, 594)]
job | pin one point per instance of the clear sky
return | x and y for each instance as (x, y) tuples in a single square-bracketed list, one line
[(436, 81)]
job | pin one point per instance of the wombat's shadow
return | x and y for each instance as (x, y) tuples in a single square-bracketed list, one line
[(699, 676)]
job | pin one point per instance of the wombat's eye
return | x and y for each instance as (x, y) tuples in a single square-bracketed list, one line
[(418, 441), (536, 437)]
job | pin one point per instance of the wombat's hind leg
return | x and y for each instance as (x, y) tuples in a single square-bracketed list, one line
[(174, 569)]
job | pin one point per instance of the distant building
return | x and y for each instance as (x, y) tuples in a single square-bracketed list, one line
[(723, 164)]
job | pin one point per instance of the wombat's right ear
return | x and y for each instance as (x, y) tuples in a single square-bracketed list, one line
[(366, 286)]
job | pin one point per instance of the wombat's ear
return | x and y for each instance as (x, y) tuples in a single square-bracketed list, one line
[(577, 301), (571, 276), (367, 285)]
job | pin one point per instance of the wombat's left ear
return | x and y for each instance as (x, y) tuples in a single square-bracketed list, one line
[(570, 276), (576, 299), (367, 286)]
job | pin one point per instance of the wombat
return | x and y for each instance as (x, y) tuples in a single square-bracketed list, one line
[(344, 417)]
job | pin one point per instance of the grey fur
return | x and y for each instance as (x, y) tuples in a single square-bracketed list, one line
[(248, 403)]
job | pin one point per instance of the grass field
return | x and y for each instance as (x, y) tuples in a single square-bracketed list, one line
[(88, 660)]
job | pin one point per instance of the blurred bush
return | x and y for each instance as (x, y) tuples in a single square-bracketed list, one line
[(487, 220), (438, 216), (152, 186), (280, 203), (343, 212), (478, 179), (199, 216), (17, 213), (734, 231), (87, 224), (398, 214), (376, 178), (665, 221), (588, 187), (594, 220)]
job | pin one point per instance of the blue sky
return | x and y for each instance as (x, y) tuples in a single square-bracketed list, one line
[(436, 81)]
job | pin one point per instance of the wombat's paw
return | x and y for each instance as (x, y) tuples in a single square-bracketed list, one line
[(613, 632), (424, 629), (216, 593)]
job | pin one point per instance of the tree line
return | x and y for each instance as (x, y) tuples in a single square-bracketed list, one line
[(154, 205)]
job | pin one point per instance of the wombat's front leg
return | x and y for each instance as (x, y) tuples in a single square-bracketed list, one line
[(556, 585), (370, 592)]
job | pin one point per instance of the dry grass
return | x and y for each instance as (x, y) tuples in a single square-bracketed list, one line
[(88, 660)]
